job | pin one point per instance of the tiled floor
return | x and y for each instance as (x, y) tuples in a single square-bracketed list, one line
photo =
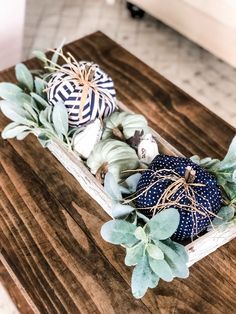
[(199, 73), (196, 71)]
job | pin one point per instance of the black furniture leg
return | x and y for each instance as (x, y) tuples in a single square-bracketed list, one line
[(135, 12)]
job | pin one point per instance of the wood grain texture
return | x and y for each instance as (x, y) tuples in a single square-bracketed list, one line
[(14, 292), (50, 228), (55, 258)]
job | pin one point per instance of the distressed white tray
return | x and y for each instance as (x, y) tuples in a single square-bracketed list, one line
[(197, 249)]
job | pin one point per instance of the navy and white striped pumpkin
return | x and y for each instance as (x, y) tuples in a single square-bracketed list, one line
[(208, 197), (64, 87)]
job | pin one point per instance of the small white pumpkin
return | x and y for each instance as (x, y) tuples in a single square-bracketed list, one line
[(123, 125), (113, 156), (84, 141)]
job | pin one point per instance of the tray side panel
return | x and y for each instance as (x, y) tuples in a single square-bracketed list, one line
[(81, 173)]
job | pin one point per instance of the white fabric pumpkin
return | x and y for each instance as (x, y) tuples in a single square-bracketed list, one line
[(87, 92)]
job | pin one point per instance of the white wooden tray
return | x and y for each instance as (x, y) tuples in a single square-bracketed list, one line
[(197, 249)]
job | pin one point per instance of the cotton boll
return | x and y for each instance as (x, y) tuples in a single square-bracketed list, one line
[(147, 149)]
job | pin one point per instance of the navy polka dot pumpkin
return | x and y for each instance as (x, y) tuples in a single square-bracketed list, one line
[(164, 184), (86, 91)]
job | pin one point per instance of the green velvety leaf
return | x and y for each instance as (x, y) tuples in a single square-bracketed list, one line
[(24, 76), (131, 182), (227, 166), (13, 129), (49, 110), (119, 210), (40, 85), (225, 170), (142, 278), (23, 135), (134, 254), (60, 118), (153, 279), (10, 126), (56, 55), (154, 251), (119, 232), (164, 224), (176, 263), (15, 113), (124, 190), (111, 187), (230, 190), (179, 249), (20, 99), (196, 159), (207, 163), (226, 213), (233, 176), (230, 157), (8, 91), (161, 269), (43, 139), (43, 118), (40, 55), (224, 177), (131, 218), (140, 234), (31, 111), (40, 100), (144, 218)]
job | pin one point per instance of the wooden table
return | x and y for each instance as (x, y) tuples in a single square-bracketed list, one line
[(50, 228)]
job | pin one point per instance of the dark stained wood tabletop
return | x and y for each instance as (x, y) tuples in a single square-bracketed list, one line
[(50, 228)]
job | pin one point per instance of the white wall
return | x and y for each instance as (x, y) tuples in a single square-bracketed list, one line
[(11, 31), (209, 23)]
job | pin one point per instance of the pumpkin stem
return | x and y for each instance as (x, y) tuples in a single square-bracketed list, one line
[(117, 132), (190, 174), (90, 72), (101, 172)]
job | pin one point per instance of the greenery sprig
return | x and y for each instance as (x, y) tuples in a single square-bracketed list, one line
[(147, 242), (225, 172), (25, 103)]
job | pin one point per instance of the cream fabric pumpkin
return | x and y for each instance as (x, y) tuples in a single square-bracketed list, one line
[(113, 156)]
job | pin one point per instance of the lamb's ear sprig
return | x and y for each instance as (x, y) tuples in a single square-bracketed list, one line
[(48, 63), (149, 249), (225, 172), (147, 241), (26, 105)]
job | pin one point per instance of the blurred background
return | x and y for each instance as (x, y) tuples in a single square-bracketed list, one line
[(190, 42)]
